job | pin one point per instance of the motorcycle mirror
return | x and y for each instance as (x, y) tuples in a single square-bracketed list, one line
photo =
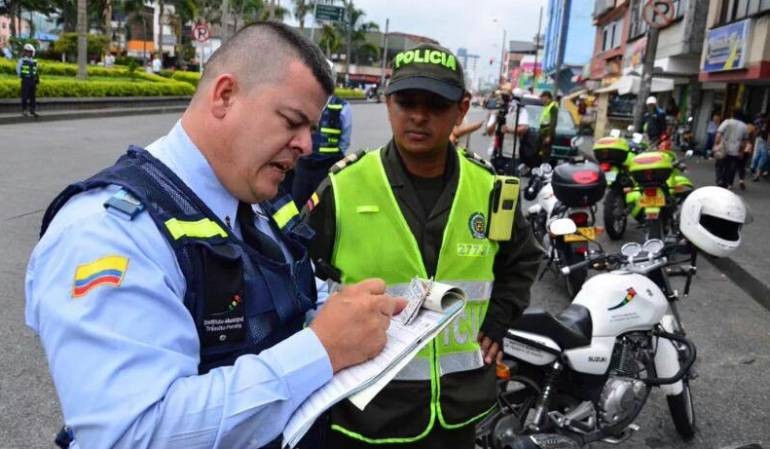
[(631, 249), (638, 137), (615, 133), (630, 128), (562, 226), (653, 246)]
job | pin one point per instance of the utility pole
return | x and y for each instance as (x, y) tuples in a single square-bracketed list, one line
[(646, 84), (504, 49), (315, 22), (537, 49), (384, 53)]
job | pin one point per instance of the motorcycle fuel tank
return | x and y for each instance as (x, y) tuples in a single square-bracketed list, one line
[(622, 302)]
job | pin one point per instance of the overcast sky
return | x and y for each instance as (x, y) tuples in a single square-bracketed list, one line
[(461, 23)]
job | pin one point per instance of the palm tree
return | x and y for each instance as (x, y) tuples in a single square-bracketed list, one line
[(331, 41), (355, 29), (82, 39), (301, 9)]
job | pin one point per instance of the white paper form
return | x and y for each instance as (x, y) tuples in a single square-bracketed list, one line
[(403, 343)]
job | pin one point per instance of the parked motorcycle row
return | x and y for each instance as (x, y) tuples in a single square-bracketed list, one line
[(584, 375)]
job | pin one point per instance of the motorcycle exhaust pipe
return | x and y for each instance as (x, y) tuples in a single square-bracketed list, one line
[(542, 441)]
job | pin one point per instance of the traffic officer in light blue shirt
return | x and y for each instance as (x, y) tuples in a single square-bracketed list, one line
[(170, 314)]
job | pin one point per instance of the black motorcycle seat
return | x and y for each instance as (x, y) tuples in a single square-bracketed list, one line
[(571, 328)]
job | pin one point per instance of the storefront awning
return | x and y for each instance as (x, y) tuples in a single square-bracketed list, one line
[(630, 84)]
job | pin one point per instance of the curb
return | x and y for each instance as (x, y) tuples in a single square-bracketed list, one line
[(94, 113), (751, 285)]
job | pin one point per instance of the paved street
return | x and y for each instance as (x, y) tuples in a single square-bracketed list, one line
[(37, 160)]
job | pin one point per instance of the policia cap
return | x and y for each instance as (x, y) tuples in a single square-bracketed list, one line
[(428, 67)]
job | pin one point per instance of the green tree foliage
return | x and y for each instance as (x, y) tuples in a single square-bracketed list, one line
[(68, 45)]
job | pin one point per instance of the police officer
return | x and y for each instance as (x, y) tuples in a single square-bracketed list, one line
[(331, 140), (26, 69), (419, 207), (548, 120), (654, 120), (168, 301)]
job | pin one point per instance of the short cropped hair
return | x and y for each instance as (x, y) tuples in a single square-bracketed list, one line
[(260, 52)]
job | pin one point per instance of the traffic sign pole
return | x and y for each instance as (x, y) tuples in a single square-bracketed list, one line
[(657, 14)]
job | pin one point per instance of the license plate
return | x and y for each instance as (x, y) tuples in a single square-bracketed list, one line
[(653, 201), (610, 176), (582, 234)]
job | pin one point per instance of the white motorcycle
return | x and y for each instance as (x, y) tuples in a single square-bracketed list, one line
[(585, 374), (570, 190)]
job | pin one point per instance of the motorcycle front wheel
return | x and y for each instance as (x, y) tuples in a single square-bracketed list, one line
[(683, 411), (615, 218)]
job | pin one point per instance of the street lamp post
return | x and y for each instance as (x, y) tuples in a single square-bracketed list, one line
[(503, 48)]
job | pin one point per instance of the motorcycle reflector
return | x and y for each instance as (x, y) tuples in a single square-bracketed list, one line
[(581, 249), (585, 177), (605, 166), (502, 371), (652, 191)]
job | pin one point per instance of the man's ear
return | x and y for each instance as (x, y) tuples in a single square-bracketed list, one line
[(223, 88), (463, 107)]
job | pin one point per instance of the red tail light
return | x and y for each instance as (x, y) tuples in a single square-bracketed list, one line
[(580, 218), (582, 250), (650, 191), (605, 166)]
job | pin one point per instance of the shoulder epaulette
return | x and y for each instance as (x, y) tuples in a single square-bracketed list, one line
[(125, 204), (479, 160), (346, 161)]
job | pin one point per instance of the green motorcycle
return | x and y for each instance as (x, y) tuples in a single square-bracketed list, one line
[(659, 189), (614, 155)]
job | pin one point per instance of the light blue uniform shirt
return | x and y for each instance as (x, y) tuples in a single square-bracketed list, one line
[(124, 359)]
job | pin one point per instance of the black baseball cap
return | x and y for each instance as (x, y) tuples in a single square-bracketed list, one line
[(428, 67)]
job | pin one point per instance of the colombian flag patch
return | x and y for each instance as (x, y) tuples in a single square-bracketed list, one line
[(105, 271)]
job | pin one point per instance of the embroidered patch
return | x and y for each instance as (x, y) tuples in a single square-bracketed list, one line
[(105, 271), (478, 225), (313, 201)]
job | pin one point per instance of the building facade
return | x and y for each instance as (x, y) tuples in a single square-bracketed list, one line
[(569, 41), (735, 61)]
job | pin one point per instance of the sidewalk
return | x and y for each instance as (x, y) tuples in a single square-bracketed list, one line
[(749, 266)]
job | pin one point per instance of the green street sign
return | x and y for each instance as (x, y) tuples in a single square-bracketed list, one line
[(330, 13)]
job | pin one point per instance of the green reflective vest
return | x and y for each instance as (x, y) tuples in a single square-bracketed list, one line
[(545, 116), (28, 68), (374, 240)]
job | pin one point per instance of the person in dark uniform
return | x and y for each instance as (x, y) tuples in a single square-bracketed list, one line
[(330, 142), (26, 69), (547, 131), (654, 120), (418, 207)]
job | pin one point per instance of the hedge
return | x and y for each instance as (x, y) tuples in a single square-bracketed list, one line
[(346, 93), (64, 69), (75, 88), (187, 77)]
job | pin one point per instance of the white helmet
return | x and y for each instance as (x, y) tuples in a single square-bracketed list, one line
[(711, 219), (651, 100), (29, 47), (518, 92)]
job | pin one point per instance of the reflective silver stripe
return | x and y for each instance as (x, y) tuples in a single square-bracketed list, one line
[(476, 290), (417, 369), (461, 361)]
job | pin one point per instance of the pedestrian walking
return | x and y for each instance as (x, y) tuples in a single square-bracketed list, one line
[(416, 207), (759, 162), (170, 305), (732, 134), (27, 71), (711, 134)]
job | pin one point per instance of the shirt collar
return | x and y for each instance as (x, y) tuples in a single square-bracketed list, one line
[(180, 154)]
